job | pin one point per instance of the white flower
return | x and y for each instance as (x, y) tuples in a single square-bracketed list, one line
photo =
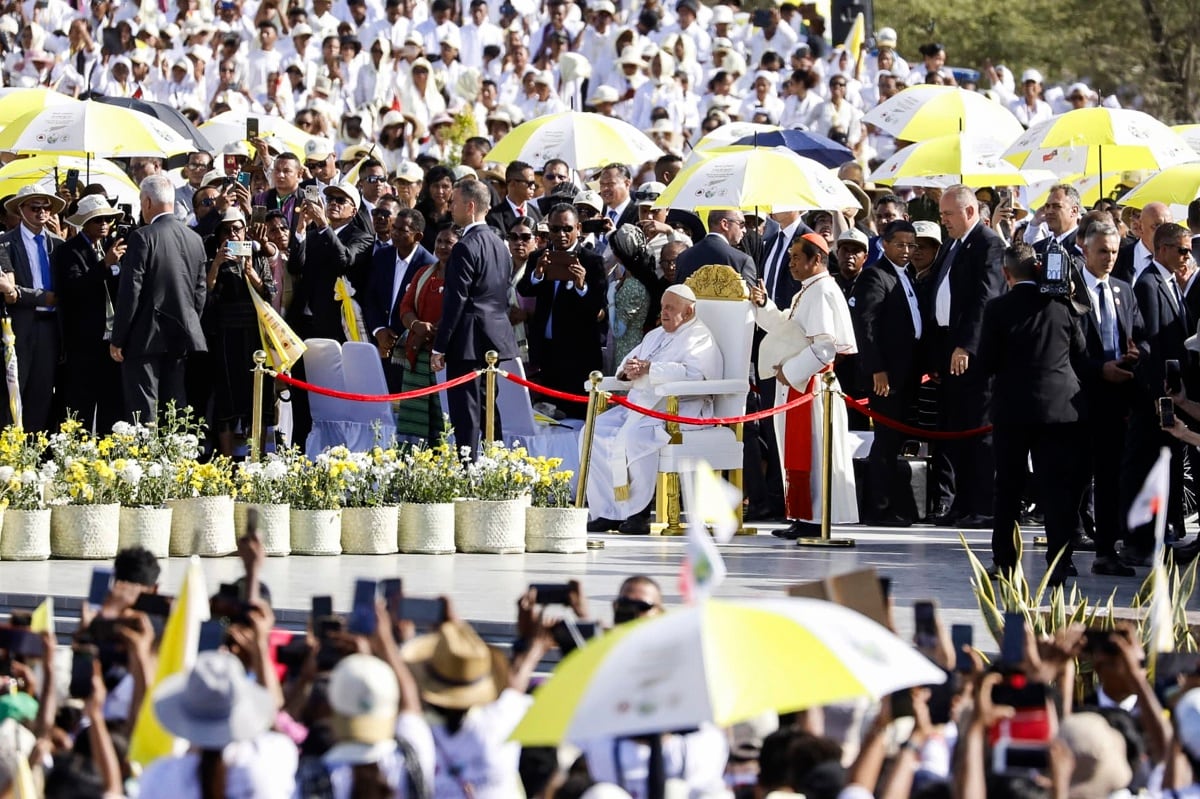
[(132, 473), (275, 470), (28, 477), (123, 429), (6, 473), (49, 470), (154, 470)]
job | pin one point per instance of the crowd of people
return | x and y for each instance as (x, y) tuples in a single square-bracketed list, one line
[(401, 705)]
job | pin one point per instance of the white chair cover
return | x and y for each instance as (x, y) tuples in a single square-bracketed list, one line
[(338, 421), (520, 424)]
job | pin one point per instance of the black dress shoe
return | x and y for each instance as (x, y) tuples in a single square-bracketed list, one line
[(1111, 566), (759, 513), (942, 516), (602, 525), (635, 525), (890, 520), (994, 571), (1184, 554), (1059, 576), (1136, 556), (1083, 543), (790, 533), (976, 521), (806, 529)]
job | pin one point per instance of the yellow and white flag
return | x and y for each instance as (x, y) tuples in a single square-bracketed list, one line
[(280, 342), (176, 654), (42, 620), (709, 502), (352, 323), (856, 39)]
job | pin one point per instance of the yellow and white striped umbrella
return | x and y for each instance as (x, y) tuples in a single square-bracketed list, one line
[(583, 139), (87, 127), (51, 168), (726, 135), (720, 662), (943, 161), (926, 111), (16, 103), (1175, 186), (229, 127), (1190, 134), (756, 180)]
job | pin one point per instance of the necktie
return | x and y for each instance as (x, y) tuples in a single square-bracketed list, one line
[(79, 62), (1108, 325), (1183, 314), (773, 265), (520, 211), (43, 260)]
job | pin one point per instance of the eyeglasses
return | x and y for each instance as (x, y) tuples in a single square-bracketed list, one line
[(338, 200), (553, 178), (530, 183), (383, 212), (521, 236), (640, 196), (37, 209), (561, 228), (198, 165), (237, 228), (738, 222), (375, 179)]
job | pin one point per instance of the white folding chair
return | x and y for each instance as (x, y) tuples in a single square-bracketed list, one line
[(550, 439)]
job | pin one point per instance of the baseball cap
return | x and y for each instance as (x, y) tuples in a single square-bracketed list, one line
[(365, 698), (591, 199), (886, 37), (409, 172), (928, 230), (647, 193), (1031, 75), (605, 7), (722, 15), (1079, 88), (301, 29), (212, 176), (347, 191), (459, 172), (853, 236), (317, 148)]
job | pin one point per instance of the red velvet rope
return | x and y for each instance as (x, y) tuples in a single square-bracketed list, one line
[(915, 432), (404, 395), (549, 392)]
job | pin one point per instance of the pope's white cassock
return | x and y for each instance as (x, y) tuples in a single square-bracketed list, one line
[(803, 341), (625, 442)]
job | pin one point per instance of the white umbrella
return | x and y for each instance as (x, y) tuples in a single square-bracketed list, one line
[(720, 662), (93, 128), (229, 127), (944, 161), (925, 111), (726, 135), (580, 138)]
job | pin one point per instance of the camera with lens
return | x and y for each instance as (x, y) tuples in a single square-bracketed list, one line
[(1054, 272)]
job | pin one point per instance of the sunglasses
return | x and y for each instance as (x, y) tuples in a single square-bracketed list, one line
[(521, 236), (637, 606), (37, 209), (314, 164), (375, 179), (561, 228), (338, 200), (530, 183), (645, 196), (1184, 250)]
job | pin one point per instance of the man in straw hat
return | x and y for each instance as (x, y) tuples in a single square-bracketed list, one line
[(474, 699), (621, 480), (86, 270), (26, 283)]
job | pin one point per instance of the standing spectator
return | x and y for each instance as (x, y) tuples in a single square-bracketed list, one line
[(725, 232), (392, 270), (29, 291), (517, 203), (231, 323), (1030, 108), (161, 296), (434, 203), (966, 277), (1137, 255), (520, 309), (198, 165), (474, 310), (86, 270)]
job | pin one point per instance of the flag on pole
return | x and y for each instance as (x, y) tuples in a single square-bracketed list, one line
[(352, 323), (176, 654), (280, 342), (856, 39), (11, 377), (1151, 505), (1151, 501), (42, 620), (709, 501)]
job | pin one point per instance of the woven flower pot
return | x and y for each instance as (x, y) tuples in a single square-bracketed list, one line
[(25, 534), (316, 532), (149, 528), (427, 528), (561, 530), (274, 525), (85, 532), (202, 526), (495, 527), (369, 531)]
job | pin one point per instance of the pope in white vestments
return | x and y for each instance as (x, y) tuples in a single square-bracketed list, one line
[(623, 466), (801, 345)]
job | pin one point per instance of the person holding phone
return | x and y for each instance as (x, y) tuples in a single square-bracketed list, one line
[(238, 266), (570, 289)]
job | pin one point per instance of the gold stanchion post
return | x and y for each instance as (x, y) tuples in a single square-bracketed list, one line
[(668, 511), (826, 540), (489, 402), (585, 456), (256, 419)]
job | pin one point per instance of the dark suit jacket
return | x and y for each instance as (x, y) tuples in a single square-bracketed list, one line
[(316, 263), (270, 200), (715, 249), (1124, 267), (976, 277), (13, 258), (883, 325), (1165, 330), (786, 286), (1105, 397), (628, 217), (502, 216), (475, 304), (375, 304), (1033, 346), (81, 279), (162, 291), (575, 326)]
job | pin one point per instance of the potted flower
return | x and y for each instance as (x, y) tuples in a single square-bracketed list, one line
[(263, 486), (85, 522), (426, 485), (142, 489), (202, 508), (369, 518), (491, 517), (25, 532), (552, 523), (315, 493)]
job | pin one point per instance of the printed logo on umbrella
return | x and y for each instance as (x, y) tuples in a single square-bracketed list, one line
[(1050, 156)]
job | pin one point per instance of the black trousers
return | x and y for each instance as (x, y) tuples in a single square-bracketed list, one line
[(963, 468), (89, 386), (1059, 453), (890, 481), (1106, 436), (152, 381), (466, 405)]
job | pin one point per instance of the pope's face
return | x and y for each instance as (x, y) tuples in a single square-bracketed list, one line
[(676, 311)]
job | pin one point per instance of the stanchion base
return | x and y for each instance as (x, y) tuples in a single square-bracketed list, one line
[(595, 545), (747, 531), (1041, 541), (836, 543)]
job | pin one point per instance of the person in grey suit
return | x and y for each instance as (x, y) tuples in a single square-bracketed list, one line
[(162, 293), (27, 286), (474, 308), (725, 231)]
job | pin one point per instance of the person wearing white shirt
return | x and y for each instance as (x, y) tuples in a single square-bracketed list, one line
[(660, 91), (377, 76), (447, 66), (393, 26), (775, 36), (1030, 108), (509, 87), (802, 102), (477, 34), (686, 12), (762, 98), (263, 60), (438, 26), (599, 37), (838, 113)]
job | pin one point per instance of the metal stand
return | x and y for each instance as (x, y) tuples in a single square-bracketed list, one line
[(595, 401), (826, 540), (489, 401), (256, 418), (667, 508)]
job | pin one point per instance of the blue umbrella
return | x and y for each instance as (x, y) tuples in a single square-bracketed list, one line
[(822, 149)]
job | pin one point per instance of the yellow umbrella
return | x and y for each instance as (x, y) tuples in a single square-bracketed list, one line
[(926, 111), (580, 138), (38, 168), (15, 103), (91, 128), (1190, 134), (1094, 141), (944, 161), (1175, 185), (726, 135), (230, 126)]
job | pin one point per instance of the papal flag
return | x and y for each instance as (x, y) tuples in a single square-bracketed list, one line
[(280, 342), (709, 502)]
